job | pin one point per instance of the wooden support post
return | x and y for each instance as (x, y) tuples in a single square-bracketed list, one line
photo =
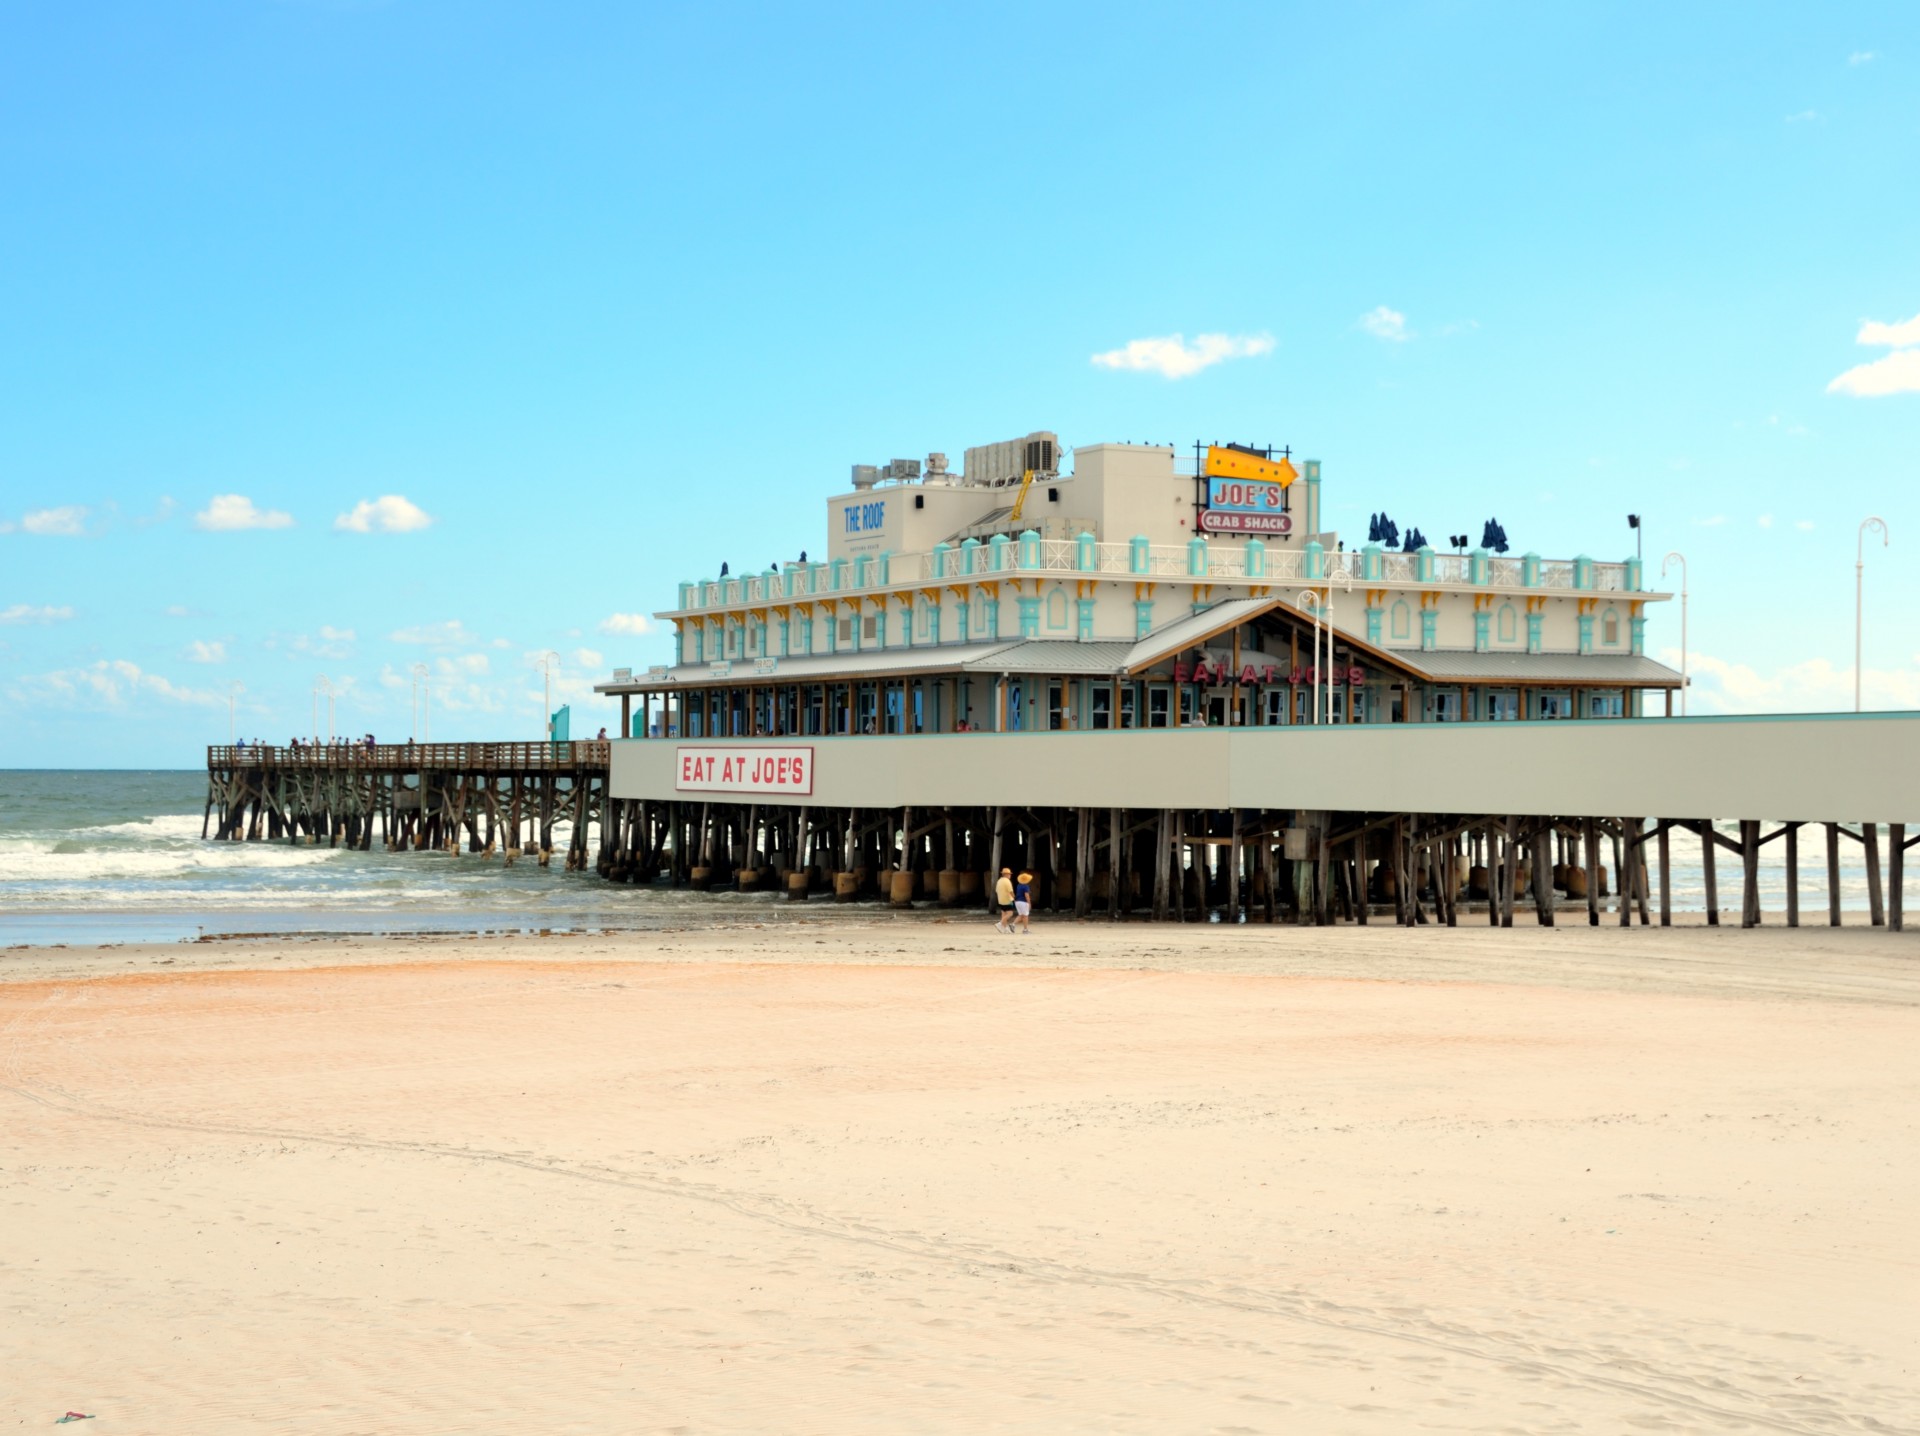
[(1492, 866), (1116, 871), (1870, 843), (1510, 881), (1666, 875), (1322, 889), (1543, 871), (993, 861), (1896, 876), (1749, 872), (1793, 875), (1709, 869), (1590, 855), (1233, 856), (1833, 875)]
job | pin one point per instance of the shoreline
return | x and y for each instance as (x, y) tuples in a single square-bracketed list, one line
[(1852, 964)]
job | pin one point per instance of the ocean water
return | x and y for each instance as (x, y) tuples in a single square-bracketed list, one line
[(114, 856), (90, 857)]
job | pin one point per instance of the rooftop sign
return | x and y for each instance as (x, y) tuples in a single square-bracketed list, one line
[(1228, 463)]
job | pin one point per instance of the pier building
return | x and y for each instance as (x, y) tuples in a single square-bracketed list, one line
[(1141, 589)]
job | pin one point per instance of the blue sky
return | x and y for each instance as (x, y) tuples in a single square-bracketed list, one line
[(344, 337)]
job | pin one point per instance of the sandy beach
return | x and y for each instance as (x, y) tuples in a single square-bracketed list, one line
[(850, 1173)]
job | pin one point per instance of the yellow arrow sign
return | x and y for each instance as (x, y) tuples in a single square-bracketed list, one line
[(1234, 464)]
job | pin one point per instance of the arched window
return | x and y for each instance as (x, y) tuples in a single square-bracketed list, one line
[(1402, 620), (1056, 609), (1509, 624), (1610, 627)]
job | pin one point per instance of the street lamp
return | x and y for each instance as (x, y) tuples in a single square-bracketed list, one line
[(547, 660), (420, 686), (1859, 574), (234, 690), (322, 684), (1323, 611), (1665, 564), (1633, 522)]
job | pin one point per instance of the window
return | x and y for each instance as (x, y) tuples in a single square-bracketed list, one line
[(1556, 705), (813, 709), (1014, 707), (1128, 717), (1102, 707), (896, 708), (1402, 620), (1276, 713), (978, 627), (846, 630), (1604, 705), (753, 640), (1503, 706), (1336, 706), (1446, 705), (1159, 705), (1610, 627), (1056, 609), (867, 629), (1056, 706), (1509, 628)]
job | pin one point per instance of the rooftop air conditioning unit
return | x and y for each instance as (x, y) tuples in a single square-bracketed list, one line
[(865, 476)]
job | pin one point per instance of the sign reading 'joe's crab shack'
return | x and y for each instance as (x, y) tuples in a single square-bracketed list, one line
[(745, 770)]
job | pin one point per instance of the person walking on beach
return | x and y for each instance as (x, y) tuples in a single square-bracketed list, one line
[(1023, 904), (1003, 899)]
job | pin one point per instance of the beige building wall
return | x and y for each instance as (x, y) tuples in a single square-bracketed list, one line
[(1845, 767)]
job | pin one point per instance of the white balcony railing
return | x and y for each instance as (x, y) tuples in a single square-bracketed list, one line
[(1148, 562)]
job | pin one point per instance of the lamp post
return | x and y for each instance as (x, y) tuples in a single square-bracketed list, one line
[(322, 684), (1310, 597), (547, 660), (1633, 522), (1874, 522), (1665, 564), (420, 686), (234, 690)]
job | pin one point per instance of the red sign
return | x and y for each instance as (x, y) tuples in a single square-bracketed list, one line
[(1217, 521), (787, 771)]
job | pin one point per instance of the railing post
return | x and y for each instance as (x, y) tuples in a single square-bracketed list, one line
[(1530, 570)]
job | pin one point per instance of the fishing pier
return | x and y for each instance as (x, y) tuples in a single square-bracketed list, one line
[(473, 797)]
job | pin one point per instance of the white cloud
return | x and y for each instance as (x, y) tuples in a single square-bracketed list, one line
[(329, 634), (503, 643), (465, 665), (389, 514), (1815, 686), (1897, 335), (23, 613), (206, 651), (451, 634), (1862, 57), (110, 683), (628, 625), (1171, 357), (162, 511), (1712, 521), (232, 513), (1802, 117), (178, 610), (1384, 323), (1804, 525), (587, 658), (1897, 373), (1766, 521), (68, 521)]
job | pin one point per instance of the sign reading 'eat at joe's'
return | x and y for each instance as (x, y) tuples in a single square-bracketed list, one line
[(745, 770)]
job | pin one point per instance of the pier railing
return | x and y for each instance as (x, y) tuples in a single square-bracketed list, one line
[(1195, 560), (411, 757)]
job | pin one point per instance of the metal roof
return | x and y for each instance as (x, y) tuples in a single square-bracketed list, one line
[(1492, 667), (1193, 630), (1054, 655)]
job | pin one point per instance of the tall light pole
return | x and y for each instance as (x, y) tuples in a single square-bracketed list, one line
[(1859, 577), (420, 671), (234, 690), (322, 684), (547, 659), (1665, 564), (1345, 580), (1310, 597)]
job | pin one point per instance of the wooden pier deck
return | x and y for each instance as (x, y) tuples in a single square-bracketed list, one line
[(480, 797)]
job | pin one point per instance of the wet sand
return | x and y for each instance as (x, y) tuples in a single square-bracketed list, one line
[(858, 1174)]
